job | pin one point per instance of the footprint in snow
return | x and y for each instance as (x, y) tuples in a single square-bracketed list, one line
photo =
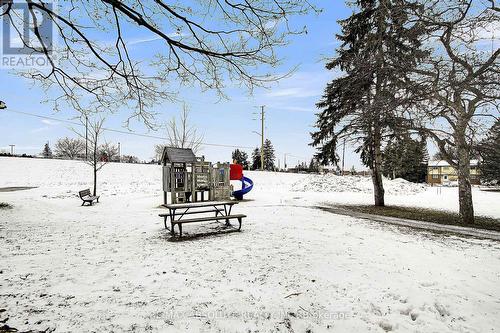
[(385, 325)]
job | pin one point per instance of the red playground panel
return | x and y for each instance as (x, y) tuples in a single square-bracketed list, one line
[(236, 172)]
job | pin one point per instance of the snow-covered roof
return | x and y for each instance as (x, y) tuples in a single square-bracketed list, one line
[(442, 163)]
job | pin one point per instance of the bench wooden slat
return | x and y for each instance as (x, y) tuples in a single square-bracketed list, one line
[(84, 193)]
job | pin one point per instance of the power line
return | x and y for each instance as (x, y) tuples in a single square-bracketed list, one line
[(124, 132), (137, 134)]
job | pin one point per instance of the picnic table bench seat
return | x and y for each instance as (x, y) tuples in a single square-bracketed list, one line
[(179, 223), (87, 197), (222, 210)]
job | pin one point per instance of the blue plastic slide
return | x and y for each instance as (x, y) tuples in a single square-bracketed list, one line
[(246, 186)]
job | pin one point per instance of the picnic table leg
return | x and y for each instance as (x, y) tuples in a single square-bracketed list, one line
[(239, 221), (172, 214), (180, 229), (227, 220)]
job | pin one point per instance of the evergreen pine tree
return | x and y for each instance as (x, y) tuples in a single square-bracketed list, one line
[(240, 157), (380, 47), (489, 150), (269, 156), (405, 158), (256, 159), (313, 165), (47, 152)]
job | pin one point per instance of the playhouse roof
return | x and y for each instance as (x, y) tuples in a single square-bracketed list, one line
[(177, 155)]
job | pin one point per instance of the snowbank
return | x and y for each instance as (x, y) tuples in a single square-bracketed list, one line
[(334, 183)]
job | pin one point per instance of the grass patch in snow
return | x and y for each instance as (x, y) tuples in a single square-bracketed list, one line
[(4, 205), (424, 214)]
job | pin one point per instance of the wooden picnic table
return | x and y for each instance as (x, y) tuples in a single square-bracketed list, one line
[(222, 210)]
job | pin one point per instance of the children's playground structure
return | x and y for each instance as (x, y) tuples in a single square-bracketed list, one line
[(192, 179)]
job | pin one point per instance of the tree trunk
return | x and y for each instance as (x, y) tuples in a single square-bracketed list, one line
[(380, 83), (378, 186), (466, 209), (95, 181)]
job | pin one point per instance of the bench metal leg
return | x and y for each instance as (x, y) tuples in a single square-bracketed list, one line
[(239, 221), (172, 224), (180, 229)]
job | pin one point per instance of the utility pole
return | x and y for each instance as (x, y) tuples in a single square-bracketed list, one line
[(12, 149), (343, 155), (262, 138), (86, 138), (262, 118), (284, 162)]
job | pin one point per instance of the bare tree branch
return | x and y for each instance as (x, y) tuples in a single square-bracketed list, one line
[(205, 43)]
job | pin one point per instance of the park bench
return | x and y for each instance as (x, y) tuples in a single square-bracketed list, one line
[(86, 197), (222, 210)]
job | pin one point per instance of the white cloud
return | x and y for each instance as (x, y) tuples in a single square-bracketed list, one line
[(300, 108), (40, 129), (294, 93), (50, 122), (154, 38), (298, 93), (491, 31), (143, 40)]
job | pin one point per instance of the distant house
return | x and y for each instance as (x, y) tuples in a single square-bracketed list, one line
[(441, 172)]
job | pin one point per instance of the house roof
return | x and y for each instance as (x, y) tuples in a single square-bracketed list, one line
[(442, 163), (177, 155)]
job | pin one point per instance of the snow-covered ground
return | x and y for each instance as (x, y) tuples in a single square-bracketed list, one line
[(333, 183), (293, 268)]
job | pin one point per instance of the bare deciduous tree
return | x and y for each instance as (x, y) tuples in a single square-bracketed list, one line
[(207, 43), (460, 83), (130, 159), (181, 134), (94, 159), (70, 148), (109, 152)]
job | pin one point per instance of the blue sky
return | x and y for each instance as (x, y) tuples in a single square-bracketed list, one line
[(290, 104)]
